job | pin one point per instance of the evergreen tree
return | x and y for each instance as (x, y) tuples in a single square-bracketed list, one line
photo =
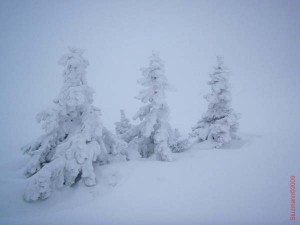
[(124, 125), (177, 143), (154, 129), (219, 123), (74, 137)]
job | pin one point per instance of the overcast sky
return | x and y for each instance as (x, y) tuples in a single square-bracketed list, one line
[(259, 41)]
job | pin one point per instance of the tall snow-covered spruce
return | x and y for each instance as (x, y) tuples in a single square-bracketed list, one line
[(219, 123), (74, 137), (154, 129)]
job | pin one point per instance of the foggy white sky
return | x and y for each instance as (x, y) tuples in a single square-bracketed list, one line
[(258, 39)]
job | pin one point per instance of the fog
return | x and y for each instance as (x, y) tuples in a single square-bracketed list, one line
[(259, 41)]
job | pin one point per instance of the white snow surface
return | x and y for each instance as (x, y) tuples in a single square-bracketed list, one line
[(244, 183)]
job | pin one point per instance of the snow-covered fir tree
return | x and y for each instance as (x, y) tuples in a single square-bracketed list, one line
[(219, 123), (124, 125), (74, 137), (154, 129)]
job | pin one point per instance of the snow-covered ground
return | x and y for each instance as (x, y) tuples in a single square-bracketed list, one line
[(247, 183)]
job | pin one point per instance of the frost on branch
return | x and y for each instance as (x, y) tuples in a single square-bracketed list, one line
[(154, 128), (219, 123), (74, 136)]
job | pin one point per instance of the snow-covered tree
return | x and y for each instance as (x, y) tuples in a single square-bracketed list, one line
[(124, 125), (177, 143), (154, 116), (219, 123), (131, 134), (174, 137), (74, 137)]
